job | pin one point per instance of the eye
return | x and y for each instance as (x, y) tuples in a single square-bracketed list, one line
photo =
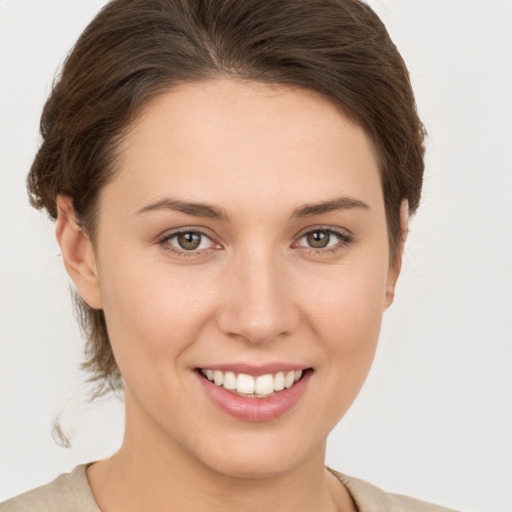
[(188, 241), (323, 239)]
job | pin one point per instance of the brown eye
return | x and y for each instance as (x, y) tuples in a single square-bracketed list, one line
[(189, 241), (318, 239)]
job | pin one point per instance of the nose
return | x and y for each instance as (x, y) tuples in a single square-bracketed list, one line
[(257, 302)]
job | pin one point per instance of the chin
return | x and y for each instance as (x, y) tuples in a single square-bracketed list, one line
[(252, 468), (261, 456)]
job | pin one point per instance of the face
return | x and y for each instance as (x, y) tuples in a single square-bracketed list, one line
[(243, 239)]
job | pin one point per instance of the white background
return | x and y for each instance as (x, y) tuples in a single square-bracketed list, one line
[(434, 419)]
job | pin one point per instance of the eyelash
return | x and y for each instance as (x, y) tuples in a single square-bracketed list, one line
[(344, 239), (183, 253)]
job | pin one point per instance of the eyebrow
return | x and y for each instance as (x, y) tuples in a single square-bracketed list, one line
[(190, 208), (214, 212), (340, 203)]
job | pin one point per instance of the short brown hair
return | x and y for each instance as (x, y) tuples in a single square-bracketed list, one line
[(135, 50)]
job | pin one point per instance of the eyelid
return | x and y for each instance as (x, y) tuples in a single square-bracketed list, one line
[(344, 235), (167, 235), (343, 232), (345, 238)]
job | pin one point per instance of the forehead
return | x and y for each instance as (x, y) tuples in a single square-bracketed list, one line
[(228, 139)]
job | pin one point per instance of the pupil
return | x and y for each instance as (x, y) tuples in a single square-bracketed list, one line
[(189, 241), (318, 239)]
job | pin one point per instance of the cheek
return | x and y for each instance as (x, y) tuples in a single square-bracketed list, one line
[(349, 296), (152, 310), (345, 310)]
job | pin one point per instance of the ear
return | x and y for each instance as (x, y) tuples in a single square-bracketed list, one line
[(396, 267), (77, 253)]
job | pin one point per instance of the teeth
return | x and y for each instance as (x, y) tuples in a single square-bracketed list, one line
[(218, 377), (229, 380), (264, 385), (245, 384), (279, 381), (289, 380), (261, 386)]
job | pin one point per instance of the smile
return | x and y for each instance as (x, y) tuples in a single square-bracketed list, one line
[(255, 394), (249, 386)]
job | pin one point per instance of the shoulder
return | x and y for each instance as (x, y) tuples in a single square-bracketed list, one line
[(69, 492), (369, 498)]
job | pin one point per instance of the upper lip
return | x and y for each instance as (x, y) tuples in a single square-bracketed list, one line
[(255, 370)]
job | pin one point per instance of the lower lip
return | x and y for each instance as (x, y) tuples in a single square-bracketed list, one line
[(255, 409)]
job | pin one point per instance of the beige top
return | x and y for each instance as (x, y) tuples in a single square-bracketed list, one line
[(70, 492)]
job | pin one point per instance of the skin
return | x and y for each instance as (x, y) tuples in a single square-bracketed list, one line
[(254, 292)]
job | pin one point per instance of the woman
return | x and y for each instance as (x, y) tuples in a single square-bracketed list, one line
[(232, 182)]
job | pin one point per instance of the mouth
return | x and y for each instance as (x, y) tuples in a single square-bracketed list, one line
[(255, 394), (250, 386)]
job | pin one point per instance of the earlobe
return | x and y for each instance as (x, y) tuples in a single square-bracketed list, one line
[(396, 267), (77, 253)]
